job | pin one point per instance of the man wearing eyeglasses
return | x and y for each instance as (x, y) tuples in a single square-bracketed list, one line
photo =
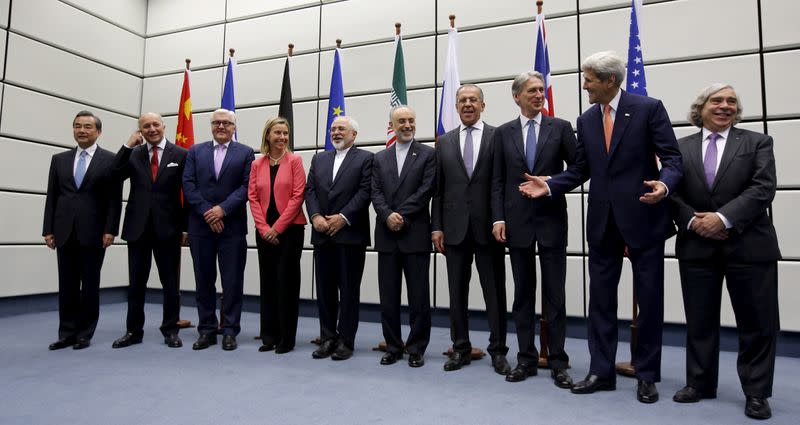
[(215, 186)]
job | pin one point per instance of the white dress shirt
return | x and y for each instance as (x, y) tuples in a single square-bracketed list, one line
[(477, 134), (401, 150), (524, 123), (90, 151)]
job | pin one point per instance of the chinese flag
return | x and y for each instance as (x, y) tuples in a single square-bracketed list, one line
[(185, 130)]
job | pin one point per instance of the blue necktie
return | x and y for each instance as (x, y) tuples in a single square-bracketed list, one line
[(80, 170), (530, 145)]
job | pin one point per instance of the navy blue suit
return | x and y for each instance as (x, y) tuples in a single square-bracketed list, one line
[(203, 190), (616, 218), (340, 259)]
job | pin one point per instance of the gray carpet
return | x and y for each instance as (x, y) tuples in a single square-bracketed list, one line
[(152, 384)]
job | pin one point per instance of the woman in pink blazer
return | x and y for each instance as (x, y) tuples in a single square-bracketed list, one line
[(277, 183)]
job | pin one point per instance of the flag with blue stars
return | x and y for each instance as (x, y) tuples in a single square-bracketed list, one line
[(335, 99), (636, 81)]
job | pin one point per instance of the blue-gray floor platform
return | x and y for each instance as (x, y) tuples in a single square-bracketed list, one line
[(152, 384)]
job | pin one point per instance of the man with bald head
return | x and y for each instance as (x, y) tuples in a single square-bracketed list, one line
[(402, 186), (155, 223)]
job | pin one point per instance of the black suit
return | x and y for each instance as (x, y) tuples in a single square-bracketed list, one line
[(339, 260), (407, 250), (154, 221), (78, 217), (461, 210), (534, 222), (742, 191)]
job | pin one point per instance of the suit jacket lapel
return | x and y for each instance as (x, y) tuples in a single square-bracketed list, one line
[(695, 158), (392, 160), (544, 135), (143, 156), (732, 146), (621, 119), (348, 158), (166, 157), (516, 138), (225, 161), (482, 151), (92, 166), (454, 144)]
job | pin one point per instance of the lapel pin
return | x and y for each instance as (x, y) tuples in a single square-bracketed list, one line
[(413, 154), (627, 114)]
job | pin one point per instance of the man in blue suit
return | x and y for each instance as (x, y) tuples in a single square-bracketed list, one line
[(215, 186), (619, 140), (337, 200)]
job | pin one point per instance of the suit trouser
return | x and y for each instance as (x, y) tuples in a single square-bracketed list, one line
[(279, 277), (140, 256), (78, 288), (605, 268), (231, 253), (415, 266), (490, 262), (339, 269), (753, 289), (553, 261)]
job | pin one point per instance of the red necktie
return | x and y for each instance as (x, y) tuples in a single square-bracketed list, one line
[(154, 163)]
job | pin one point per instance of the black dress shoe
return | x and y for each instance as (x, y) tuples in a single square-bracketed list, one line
[(500, 364), (282, 349), (80, 344), (457, 360), (593, 383), (757, 408), (390, 358), (561, 378), (325, 349), (229, 343), (342, 352), (127, 340), (173, 341), (646, 392), (689, 394), (205, 341), (416, 360), (266, 347), (522, 372), (61, 343)]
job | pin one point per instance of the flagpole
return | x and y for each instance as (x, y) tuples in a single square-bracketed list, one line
[(182, 323), (231, 51)]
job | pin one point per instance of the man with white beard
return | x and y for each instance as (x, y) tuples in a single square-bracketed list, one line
[(337, 200)]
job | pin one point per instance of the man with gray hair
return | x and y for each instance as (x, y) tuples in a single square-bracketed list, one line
[(337, 200), (536, 144), (620, 139), (724, 232), (215, 182)]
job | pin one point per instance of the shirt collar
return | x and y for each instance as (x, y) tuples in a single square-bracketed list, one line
[(722, 134), (226, 144), (343, 152), (523, 120), (403, 146), (161, 145), (477, 126), (615, 101), (90, 150)]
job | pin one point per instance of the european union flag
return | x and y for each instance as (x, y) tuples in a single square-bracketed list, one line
[(335, 99), (228, 101)]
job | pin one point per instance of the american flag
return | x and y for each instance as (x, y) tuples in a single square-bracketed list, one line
[(636, 81)]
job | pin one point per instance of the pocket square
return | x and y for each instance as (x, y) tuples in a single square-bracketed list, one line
[(172, 164)]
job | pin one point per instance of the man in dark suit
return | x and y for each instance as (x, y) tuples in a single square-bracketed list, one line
[(619, 139), (402, 185), (81, 219), (155, 224), (215, 186), (462, 229), (536, 144), (337, 200), (724, 232)]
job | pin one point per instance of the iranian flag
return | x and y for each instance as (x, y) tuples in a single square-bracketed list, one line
[(399, 96)]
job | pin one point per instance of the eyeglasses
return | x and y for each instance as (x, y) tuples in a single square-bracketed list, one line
[(465, 100), (221, 123)]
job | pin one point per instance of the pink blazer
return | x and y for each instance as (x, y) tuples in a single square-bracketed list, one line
[(289, 189)]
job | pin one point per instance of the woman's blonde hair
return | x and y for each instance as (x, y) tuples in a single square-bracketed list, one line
[(272, 122)]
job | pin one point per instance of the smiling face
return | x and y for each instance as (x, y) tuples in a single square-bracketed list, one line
[(469, 105), (85, 132), (278, 139), (152, 128), (342, 134), (599, 91), (223, 126), (719, 111), (530, 98), (404, 124)]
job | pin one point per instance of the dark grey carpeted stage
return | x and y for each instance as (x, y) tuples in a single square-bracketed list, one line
[(152, 384)]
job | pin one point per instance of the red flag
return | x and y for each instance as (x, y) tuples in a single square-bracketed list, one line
[(185, 130)]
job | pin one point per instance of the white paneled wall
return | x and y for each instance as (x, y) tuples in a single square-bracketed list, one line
[(125, 57)]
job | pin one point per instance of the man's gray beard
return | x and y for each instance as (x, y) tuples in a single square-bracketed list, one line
[(338, 145)]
